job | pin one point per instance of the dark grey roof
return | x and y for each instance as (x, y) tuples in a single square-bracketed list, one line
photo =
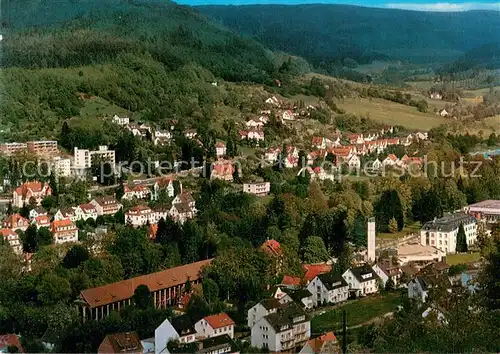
[(332, 281), (183, 325), (271, 303), (182, 208), (449, 222), (300, 294), (287, 316), (361, 273), (217, 343)]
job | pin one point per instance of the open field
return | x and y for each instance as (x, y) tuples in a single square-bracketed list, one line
[(463, 258), (415, 228), (99, 107), (392, 113), (357, 312)]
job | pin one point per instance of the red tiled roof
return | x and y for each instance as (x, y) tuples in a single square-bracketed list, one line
[(312, 270), (164, 181), (7, 232), (138, 209), (220, 144), (56, 224), (34, 186), (223, 168), (392, 157), (13, 220), (88, 207), (317, 140), (291, 280), (42, 220), (123, 290), (317, 343), (219, 320), (272, 247), (7, 340)]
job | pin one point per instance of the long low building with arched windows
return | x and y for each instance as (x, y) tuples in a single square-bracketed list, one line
[(166, 287)]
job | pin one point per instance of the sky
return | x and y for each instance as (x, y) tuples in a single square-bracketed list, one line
[(418, 5)]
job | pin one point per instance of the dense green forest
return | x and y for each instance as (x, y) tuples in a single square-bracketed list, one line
[(486, 56), (328, 34)]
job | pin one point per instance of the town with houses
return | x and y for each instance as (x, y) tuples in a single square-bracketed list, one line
[(282, 322)]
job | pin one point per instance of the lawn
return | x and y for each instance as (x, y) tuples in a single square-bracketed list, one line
[(357, 312), (463, 258), (392, 113), (415, 228)]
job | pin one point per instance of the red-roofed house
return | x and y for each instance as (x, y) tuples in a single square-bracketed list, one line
[(10, 340), (86, 211), (390, 160), (288, 115), (107, 205), (139, 215), (252, 134), (16, 222), (36, 190), (41, 221), (64, 231), (138, 191), (312, 270), (324, 344), (356, 139), (13, 239), (272, 154), (291, 281), (222, 169), (166, 183), (214, 326)]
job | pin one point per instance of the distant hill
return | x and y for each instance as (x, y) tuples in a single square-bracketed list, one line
[(326, 34), (66, 33), (484, 57)]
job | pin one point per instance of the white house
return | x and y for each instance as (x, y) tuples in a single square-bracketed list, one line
[(390, 160), (214, 326), (66, 213), (13, 239), (107, 205), (257, 188), (263, 308), (328, 288), (436, 96), (120, 120), (284, 330), (162, 137), (139, 215), (41, 221), (362, 280), (288, 115), (418, 287), (254, 123), (272, 154), (273, 101), (64, 231), (138, 191), (180, 329), (38, 211), (220, 149), (86, 211), (166, 183), (444, 113), (385, 270), (442, 233), (354, 162)]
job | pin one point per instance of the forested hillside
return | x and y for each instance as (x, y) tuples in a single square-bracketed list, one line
[(326, 34), (484, 57), (117, 50)]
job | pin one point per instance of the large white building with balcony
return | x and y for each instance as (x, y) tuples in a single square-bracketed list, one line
[(284, 330), (83, 158), (442, 233)]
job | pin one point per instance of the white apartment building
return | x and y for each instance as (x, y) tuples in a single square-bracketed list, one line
[(257, 188), (328, 288), (64, 231), (442, 233), (83, 158), (62, 166), (12, 239), (121, 120), (284, 330), (262, 309), (362, 280), (139, 216)]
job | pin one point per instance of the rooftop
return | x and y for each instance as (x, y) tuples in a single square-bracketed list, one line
[(449, 222), (126, 342), (491, 206), (312, 270), (332, 281), (286, 317), (219, 320), (123, 290)]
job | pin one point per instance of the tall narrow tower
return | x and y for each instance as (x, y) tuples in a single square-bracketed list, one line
[(371, 240)]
